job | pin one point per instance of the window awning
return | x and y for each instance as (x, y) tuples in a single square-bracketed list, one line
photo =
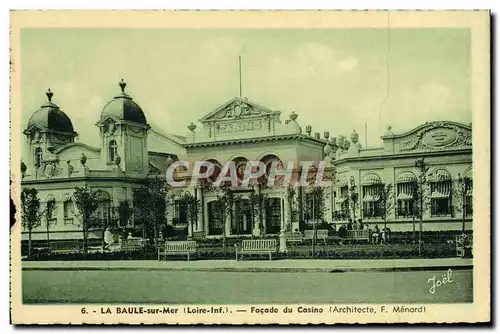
[(371, 198), (440, 175), (440, 195), (342, 183), (341, 200), (370, 179), (404, 196), (406, 177), (468, 173)]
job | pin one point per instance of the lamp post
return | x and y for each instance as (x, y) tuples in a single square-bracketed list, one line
[(353, 197)]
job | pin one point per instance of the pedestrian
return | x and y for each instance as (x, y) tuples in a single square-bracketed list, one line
[(130, 236), (376, 234), (360, 224), (342, 231), (108, 239)]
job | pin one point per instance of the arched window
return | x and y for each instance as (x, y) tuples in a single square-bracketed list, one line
[(112, 151), (38, 156), (104, 208), (372, 185), (405, 186), (69, 209), (440, 182), (273, 215), (342, 199), (215, 218)]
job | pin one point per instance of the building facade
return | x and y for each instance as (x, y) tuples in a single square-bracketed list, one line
[(239, 130), (447, 150)]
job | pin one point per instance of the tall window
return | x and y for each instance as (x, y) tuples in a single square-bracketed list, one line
[(342, 211), (440, 182), (372, 185), (215, 221), (104, 208), (52, 219), (112, 151), (180, 212), (68, 208), (38, 156), (273, 215), (406, 183)]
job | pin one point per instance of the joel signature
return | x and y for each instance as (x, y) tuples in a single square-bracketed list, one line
[(435, 283)]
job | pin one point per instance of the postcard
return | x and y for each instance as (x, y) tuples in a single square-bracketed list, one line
[(250, 167)]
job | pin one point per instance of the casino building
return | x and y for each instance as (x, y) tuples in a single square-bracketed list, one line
[(131, 151)]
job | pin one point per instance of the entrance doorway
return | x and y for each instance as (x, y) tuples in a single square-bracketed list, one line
[(242, 223)]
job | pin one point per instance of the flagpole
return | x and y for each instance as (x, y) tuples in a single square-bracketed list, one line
[(240, 75)]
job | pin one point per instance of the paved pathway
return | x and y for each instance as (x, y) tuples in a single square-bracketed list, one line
[(302, 265)]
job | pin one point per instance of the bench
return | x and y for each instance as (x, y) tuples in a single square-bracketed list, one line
[(464, 244), (259, 246), (358, 235), (293, 237), (177, 247), (65, 246), (320, 234), (133, 244)]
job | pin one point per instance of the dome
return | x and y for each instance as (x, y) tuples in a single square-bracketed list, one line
[(124, 108), (50, 117)]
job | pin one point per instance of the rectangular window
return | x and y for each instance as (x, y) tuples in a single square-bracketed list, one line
[(371, 201), (441, 199), (68, 208), (405, 202), (180, 212)]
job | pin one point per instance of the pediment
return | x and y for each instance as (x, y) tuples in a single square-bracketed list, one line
[(237, 108), (436, 136)]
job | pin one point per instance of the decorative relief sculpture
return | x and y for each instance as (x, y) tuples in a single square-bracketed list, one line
[(51, 169), (437, 136), (238, 110), (239, 127)]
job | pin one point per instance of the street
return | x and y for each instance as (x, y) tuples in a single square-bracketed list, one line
[(182, 287)]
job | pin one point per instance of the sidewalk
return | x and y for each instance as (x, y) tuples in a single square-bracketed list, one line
[(259, 266)]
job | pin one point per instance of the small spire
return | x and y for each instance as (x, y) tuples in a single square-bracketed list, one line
[(123, 84), (49, 95)]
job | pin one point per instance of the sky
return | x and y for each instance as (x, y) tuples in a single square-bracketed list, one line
[(336, 80)]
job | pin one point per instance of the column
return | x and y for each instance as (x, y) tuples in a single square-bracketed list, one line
[(287, 214), (257, 219), (296, 216), (283, 220)]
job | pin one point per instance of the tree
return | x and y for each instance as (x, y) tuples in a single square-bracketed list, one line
[(461, 193), (224, 209), (421, 195), (150, 206), (30, 212), (386, 201), (193, 207), (124, 212), (87, 201), (292, 207), (48, 213), (258, 202), (316, 207)]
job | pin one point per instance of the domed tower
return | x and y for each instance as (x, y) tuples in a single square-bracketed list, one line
[(124, 134), (48, 128)]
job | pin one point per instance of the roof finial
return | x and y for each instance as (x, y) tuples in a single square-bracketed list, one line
[(49, 95), (123, 84)]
